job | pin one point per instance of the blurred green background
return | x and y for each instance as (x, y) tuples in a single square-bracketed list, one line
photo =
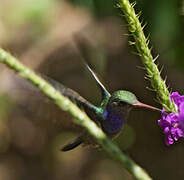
[(42, 34)]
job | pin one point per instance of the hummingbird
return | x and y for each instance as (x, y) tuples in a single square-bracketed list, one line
[(110, 115)]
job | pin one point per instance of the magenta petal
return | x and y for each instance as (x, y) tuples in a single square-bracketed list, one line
[(174, 95), (177, 98), (163, 124), (166, 130), (168, 140), (181, 107), (181, 121), (174, 132), (180, 133)]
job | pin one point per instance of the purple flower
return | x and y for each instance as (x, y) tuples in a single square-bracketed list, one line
[(173, 124)]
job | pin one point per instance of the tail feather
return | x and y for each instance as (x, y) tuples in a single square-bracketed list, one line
[(72, 145)]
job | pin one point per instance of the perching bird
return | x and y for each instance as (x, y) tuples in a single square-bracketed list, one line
[(111, 115)]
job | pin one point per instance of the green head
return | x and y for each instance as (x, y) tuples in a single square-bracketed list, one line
[(124, 97), (128, 99)]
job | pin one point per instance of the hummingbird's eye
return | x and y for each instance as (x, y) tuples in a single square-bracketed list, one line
[(120, 103), (123, 103)]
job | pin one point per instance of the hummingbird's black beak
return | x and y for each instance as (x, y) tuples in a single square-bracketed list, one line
[(142, 105)]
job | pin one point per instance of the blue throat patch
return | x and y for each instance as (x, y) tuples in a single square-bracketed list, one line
[(112, 121)]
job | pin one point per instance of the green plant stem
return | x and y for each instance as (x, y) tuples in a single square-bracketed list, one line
[(79, 116), (141, 43)]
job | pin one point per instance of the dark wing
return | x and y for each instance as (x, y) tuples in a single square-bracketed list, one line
[(84, 50), (73, 96)]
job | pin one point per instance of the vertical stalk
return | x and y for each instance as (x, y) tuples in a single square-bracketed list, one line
[(141, 43)]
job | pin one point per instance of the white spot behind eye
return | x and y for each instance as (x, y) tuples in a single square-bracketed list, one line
[(115, 103)]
